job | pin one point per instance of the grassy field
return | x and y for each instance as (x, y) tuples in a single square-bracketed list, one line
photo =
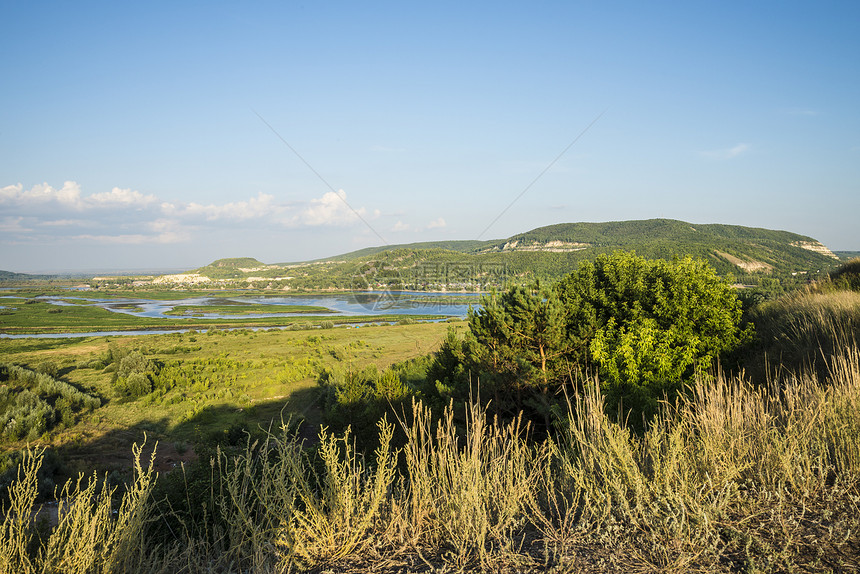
[(220, 381), (244, 309), (733, 479)]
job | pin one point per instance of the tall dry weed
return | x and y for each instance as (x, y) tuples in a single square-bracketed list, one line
[(733, 475), (467, 492), (92, 536), (803, 331)]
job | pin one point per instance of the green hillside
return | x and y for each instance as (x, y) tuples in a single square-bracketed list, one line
[(18, 277), (545, 253), (11, 276), (729, 248), (234, 268), (461, 246)]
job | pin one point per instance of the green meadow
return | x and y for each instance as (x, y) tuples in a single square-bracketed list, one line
[(218, 380), (244, 309)]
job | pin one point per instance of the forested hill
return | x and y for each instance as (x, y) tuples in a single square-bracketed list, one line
[(18, 277), (461, 246), (726, 246), (545, 253), (644, 232)]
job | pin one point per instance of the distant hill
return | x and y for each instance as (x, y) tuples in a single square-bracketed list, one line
[(233, 268), (461, 246), (847, 255), (12, 276), (545, 253), (728, 247), (237, 263)]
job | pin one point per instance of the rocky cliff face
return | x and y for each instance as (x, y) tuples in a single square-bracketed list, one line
[(815, 247), (549, 246)]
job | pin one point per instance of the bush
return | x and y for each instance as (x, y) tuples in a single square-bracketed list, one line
[(848, 275), (26, 407), (134, 362), (138, 385), (646, 327), (359, 399), (134, 375)]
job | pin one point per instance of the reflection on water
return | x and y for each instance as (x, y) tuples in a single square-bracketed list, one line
[(347, 304)]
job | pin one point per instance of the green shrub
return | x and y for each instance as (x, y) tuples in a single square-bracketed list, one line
[(647, 327), (26, 407), (848, 275), (138, 385)]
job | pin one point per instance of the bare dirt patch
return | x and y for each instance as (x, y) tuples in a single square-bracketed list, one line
[(750, 266)]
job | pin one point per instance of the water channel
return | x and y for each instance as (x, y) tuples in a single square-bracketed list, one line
[(345, 304)]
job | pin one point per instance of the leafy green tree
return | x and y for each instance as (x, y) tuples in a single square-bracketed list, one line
[(645, 326), (648, 326), (133, 376), (448, 371), (518, 345)]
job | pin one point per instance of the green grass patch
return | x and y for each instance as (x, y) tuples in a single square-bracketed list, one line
[(233, 308), (207, 382)]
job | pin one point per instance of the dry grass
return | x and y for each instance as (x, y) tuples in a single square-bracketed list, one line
[(733, 478), (804, 331), (93, 534)]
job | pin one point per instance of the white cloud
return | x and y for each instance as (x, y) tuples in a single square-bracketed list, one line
[(727, 153), (331, 209), (257, 207), (10, 192), (122, 198), (69, 197), (127, 239), (437, 223), (164, 231), (170, 231), (400, 226), (64, 223), (13, 225), (43, 214)]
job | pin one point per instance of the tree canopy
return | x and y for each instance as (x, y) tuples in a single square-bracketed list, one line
[(645, 327)]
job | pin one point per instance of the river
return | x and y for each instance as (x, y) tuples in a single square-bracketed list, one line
[(345, 304)]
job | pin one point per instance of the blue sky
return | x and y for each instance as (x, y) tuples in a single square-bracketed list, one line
[(160, 134)]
